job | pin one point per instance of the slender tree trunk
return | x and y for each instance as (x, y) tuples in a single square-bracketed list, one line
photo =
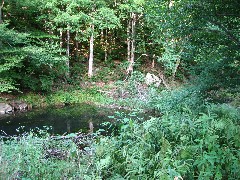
[(68, 51), (68, 43), (133, 37), (128, 41), (1, 17), (175, 69), (61, 39), (0, 14), (102, 38), (110, 40), (91, 127), (76, 46), (153, 61), (132, 56), (68, 126), (90, 65), (106, 46)]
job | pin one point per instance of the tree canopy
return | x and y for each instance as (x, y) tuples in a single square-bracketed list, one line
[(186, 38), (177, 60)]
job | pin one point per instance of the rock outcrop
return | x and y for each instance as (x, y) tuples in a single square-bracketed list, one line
[(152, 79), (19, 105), (5, 108)]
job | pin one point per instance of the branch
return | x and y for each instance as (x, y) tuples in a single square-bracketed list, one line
[(2, 4)]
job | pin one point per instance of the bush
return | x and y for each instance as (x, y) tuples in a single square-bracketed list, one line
[(177, 145), (38, 156), (181, 144), (28, 63)]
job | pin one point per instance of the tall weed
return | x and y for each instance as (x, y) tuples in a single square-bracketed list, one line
[(38, 156), (203, 146)]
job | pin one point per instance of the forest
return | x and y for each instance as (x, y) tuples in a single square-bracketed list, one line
[(176, 60)]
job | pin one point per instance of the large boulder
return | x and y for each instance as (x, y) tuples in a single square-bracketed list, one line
[(5, 108), (152, 79), (19, 105)]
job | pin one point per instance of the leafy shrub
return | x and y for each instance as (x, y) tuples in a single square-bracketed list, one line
[(177, 145), (30, 157), (132, 92), (184, 143), (27, 63), (177, 100)]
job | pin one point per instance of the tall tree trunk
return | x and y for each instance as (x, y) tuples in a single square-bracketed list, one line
[(132, 56), (68, 126), (61, 39), (76, 46), (1, 15), (90, 65), (106, 46), (175, 69), (68, 51), (1, 18), (133, 37), (128, 41), (102, 38), (153, 61)]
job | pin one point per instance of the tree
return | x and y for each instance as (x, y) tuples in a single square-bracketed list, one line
[(102, 18), (25, 65), (9, 57), (79, 18), (1, 7), (199, 35), (90, 61), (132, 11)]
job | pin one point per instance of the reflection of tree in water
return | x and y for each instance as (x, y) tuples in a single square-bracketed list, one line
[(84, 117), (90, 126), (76, 111), (68, 126)]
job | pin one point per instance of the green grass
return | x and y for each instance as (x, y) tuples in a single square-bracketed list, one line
[(30, 157), (61, 97)]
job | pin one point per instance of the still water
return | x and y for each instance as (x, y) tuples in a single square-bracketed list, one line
[(62, 120)]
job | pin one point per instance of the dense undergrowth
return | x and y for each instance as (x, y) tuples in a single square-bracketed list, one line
[(188, 137), (40, 156), (179, 144), (194, 130)]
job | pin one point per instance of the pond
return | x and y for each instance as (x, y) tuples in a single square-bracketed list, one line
[(67, 119)]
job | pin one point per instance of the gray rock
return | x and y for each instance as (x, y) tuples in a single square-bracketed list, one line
[(19, 105), (5, 108), (152, 79)]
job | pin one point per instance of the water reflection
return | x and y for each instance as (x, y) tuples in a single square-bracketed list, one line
[(69, 119), (68, 126), (91, 126)]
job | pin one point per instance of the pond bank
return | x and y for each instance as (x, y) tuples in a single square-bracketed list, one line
[(65, 106), (62, 98), (58, 98), (68, 119)]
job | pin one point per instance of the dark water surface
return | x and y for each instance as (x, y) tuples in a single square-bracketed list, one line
[(67, 119)]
